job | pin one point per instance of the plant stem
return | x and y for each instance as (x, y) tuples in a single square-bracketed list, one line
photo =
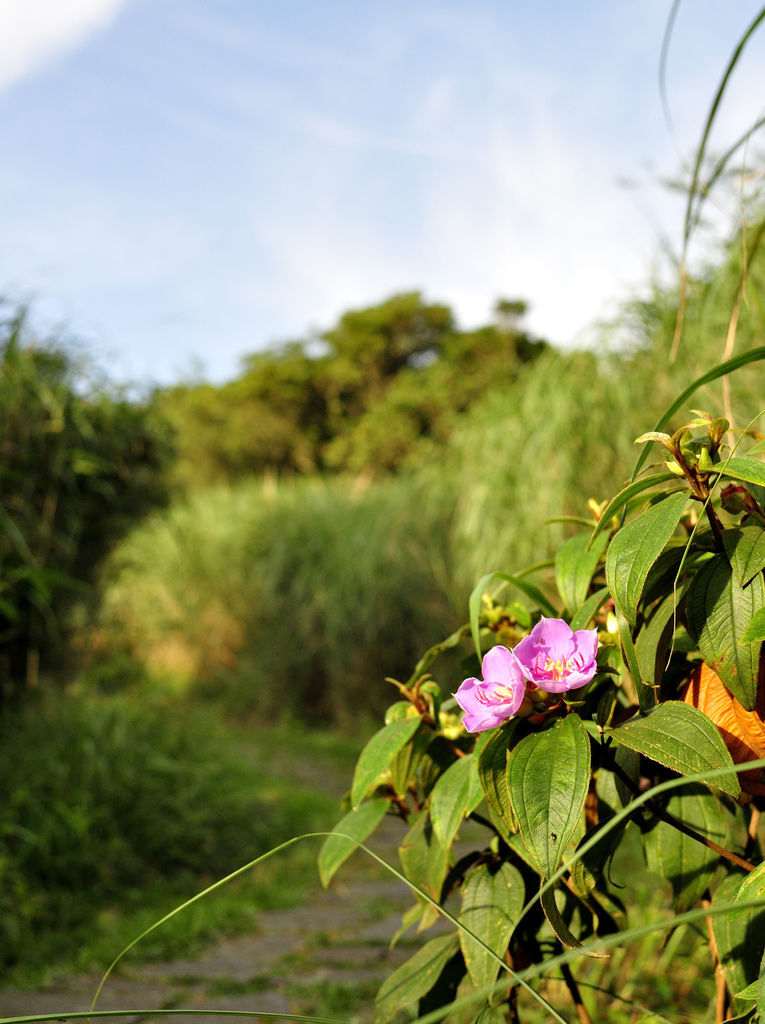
[(751, 837), (571, 985), (714, 522), (670, 819), (721, 989)]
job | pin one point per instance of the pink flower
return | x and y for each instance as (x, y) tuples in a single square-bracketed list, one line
[(490, 701), (555, 658)]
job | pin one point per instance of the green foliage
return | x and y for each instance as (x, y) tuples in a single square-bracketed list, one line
[(681, 738), (78, 466), (564, 430), (285, 600), (103, 803), (556, 786), (378, 391)]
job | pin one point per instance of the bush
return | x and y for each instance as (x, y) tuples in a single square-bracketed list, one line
[(289, 600), (102, 802), (78, 465)]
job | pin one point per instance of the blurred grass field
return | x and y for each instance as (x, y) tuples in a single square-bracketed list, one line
[(112, 812)]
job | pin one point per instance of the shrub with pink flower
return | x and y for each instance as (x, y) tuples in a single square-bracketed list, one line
[(553, 657), (556, 658), (490, 701)]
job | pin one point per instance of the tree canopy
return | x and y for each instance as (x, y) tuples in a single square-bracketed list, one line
[(370, 395), (78, 465)]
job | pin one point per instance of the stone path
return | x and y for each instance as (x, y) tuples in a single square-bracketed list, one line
[(326, 957)]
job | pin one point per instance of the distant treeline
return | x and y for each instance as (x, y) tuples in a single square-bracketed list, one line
[(375, 393), (81, 463)]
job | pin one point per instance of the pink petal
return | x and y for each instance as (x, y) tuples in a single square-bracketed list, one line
[(501, 666), (586, 641)]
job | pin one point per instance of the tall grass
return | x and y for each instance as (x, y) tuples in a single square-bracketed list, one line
[(301, 597), (565, 431), (110, 809), (297, 600)]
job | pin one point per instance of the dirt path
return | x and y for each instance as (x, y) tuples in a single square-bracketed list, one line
[(326, 957)]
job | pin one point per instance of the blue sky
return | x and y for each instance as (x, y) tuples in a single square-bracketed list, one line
[(187, 181)]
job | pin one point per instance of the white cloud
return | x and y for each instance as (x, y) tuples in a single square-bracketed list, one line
[(33, 32)]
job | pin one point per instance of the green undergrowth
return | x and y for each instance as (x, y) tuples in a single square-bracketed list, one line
[(664, 976), (294, 599), (114, 812)]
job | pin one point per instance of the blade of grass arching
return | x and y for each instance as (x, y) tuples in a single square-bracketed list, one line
[(663, 64), (283, 846), (38, 1018), (195, 899), (753, 356), (694, 190), (723, 161), (523, 978)]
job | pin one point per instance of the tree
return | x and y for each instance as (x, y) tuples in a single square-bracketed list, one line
[(371, 395), (78, 465)]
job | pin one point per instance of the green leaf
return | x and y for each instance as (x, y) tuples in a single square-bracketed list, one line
[(548, 775), (558, 923), (745, 548), (635, 548), (719, 611), (683, 861), (405, 764), (581, 617), (468, 1014), (575, 563), (408, 918), (376, 755), (359, 824), (455, 795), (412, 980), (474, 603), (588, 869), (424, 859), (492, 900), (492, 775), (739, 941), (433, 652), (744, 468), (653, 641), (755, 631), (752, 888), (645, 694), (681, 738), (617, 503)]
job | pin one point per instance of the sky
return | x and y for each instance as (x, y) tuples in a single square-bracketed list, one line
[(185, 182)]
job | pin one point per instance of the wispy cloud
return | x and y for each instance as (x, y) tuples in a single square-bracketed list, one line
[(33, 32)]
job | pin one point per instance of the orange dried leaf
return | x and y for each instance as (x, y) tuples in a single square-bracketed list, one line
[(743, 731)]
